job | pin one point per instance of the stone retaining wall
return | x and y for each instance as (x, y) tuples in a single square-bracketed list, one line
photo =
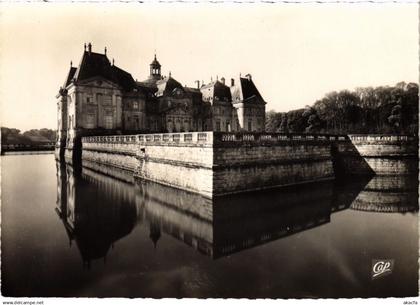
[(378, 154), (218, 163)]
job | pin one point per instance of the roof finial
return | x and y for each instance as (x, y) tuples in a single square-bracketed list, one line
[(85, 46), (89, 47), (105, 50), (170, 74), (240, 74), (217, 77), (71, 63), (155, 54), (211, 78)]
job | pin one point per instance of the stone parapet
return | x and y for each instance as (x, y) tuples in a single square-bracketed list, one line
[(219, 163)]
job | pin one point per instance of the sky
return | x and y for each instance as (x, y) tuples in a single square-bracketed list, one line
[(296, 53)]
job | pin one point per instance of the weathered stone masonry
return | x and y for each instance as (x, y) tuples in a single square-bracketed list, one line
[(218, 163)]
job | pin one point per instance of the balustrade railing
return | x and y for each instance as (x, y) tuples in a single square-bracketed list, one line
[(274, 137), (226, 137), (370, 138), (188, 137)]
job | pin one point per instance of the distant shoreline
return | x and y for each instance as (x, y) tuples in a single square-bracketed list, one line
[(33, 152), (27, 151)]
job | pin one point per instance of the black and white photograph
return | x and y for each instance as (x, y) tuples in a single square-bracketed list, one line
[(220, 150)]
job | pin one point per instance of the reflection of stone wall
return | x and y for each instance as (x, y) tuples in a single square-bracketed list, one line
[(192, 230), (236, 222), (389, 194), (190, 203), (108, 209)]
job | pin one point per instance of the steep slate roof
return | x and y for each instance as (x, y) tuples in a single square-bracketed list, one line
[(70, 76), (217, 91), (167, 85), (123, 78), (149, 83), (95, 64), (192, 91), (149, 87), (245, 90)]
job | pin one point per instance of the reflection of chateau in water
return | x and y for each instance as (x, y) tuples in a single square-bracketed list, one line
[(97, 210), (93, 216)]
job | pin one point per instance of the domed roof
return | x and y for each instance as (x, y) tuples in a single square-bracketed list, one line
[(155, 63)]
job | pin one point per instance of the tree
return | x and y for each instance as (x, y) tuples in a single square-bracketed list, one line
[(385, 109)]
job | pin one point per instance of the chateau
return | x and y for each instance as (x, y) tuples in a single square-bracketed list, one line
[(99, 98)]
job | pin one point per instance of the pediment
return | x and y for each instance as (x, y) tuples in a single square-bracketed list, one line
[(178, 110), (99, 82)]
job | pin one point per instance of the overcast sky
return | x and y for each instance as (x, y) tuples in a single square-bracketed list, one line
[(295, 53)]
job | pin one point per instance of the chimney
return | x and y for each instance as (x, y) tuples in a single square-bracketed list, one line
[(105, 50), (90, 48), (223, 80), (248, 76), (232, 82), (198, 84)]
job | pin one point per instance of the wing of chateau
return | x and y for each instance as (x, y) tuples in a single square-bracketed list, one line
[(99, 98)]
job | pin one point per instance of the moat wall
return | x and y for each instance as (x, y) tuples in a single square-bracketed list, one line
[(216, 163), (246, 162), (376, 155)]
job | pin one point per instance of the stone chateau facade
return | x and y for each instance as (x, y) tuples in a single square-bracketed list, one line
[(99, 98)]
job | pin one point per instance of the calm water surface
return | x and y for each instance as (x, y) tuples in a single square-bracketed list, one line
[(69, 232)]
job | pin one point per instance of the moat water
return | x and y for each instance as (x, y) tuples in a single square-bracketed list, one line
[(71, 232)]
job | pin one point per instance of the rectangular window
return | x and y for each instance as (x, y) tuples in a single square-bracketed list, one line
[(135, 105), (109, 124), (218, 126), (99, 98), (106, 100), (228, 129), (90, 120)]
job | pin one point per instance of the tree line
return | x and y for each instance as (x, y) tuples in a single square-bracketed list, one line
[(384, 110), (30, 137)]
